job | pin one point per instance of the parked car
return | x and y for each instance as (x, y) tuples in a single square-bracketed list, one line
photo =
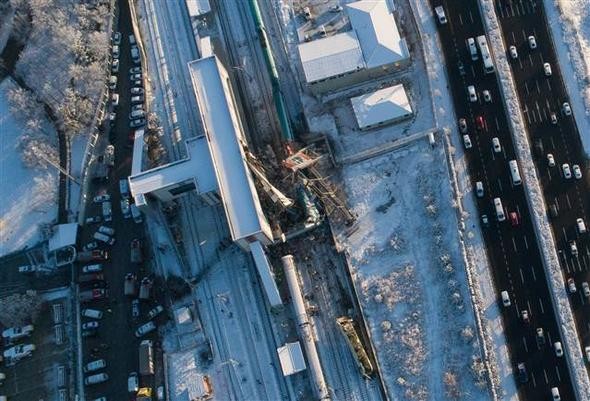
[(137, 91), (472, 94), (487, 97), (547, 69), (89, 333), (558, 349), (140, 122), (135, 254), (524, 314), (577, 172), (135, 70), (90, 246), (106, 230), (566, 109), (573, 249), (571, 286), (133, 382), (463, 125), (115, 66), (96, 379), (95, 365), (496, 145), (523, 376), (135, 76), (27, 269), (104, 238), (586, 289), (102, 198), (514, 219), (116, 51), (480, 122), (137, 107), (113, 82), (135, 308), (137, 99), (440, 14), (553, 117), (117, 38), (92, 313), (550, 160), (155, 311), (567, 173), (125, 209), (115, 99), (95, 268), (540, 336), (467, 141), (145, 329)]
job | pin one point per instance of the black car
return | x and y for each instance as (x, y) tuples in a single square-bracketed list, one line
[(523, 376), (89, 333)]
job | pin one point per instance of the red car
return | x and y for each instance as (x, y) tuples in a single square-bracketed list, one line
[(514, 220), (480, 122)]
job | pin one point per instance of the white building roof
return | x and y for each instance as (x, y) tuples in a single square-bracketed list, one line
[(377, 33), (224, 134), (64, 235), (197, 167), (183, 315), (197, 7), (291, 358), (324, 58), (265, 272), (138, 151), (383, 105)]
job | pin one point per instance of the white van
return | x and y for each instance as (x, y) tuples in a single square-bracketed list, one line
[(95, 379), (499, 209), (136, 114), (95, 365), (581, 225), (136, 213), (107, 211), (514, 173), (92, 313), (505, 298), (104, 238), (472, 48)]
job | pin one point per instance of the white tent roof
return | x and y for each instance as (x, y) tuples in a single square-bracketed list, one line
[(383, 105), (331, 56), (224, 134), (64, 235), (377, 33), (291, 358)]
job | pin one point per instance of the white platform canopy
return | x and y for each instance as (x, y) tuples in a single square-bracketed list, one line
[(197, 7), (225, 137), (63, 235), (383, 106)]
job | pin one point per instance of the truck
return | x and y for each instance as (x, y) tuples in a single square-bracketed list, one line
[(16, 333), (89, 278), (145, 288), (93, 295), (146, 358), (19, 351), (130, 285), (97, 255)]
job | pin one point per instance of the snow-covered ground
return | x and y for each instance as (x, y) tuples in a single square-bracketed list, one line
[(410, 275), (569, 21), (29, 197)]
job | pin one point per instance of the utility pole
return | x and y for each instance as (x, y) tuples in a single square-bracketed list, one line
[(57, 166)]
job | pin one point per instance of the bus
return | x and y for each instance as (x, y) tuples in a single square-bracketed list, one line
[(514, 173), (488, 65)]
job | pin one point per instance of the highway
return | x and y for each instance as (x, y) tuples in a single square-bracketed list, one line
[(512, 248), (541, 95)]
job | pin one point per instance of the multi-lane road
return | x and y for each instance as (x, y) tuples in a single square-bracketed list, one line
[(540, 96), (512, 248)]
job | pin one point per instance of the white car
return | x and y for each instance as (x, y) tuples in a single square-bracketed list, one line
[(125, 209), (137, 91), (532, 42), (90, 246), (440, 13), (553, 118), (463, 125), (577, 171), (145, 329), (567, 173), (586, 289), (547, 69), (133, 383), (558, 349), (137, 107), (106, 230), (115, 99), (135, 70), (90, 325), (115, 66), (104, 238), (117, 38), (467, 141), (112, 82), (102, 198), (155, 311), (587, 352), (566, 109), (550, 160), (95, 365), (574, 251), (472, 94), (496, 145), (487, 97), (571, 285), (96, 268), (513, 52), (479, 189)]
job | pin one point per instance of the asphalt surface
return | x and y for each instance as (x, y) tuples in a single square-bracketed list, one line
[(541, 95), (512, 250), (116, 342)]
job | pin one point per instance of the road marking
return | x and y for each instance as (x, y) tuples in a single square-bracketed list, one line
[(471, 16), (500, 9), (538, 111), (546, 378), (538, 86), (549, 85), (500, 185), (557, 373), (531, 60), (564, 233), (567, 198), (530, 308), (552, 142), (526, 87), (533, 379), (497, 124), (534, 275), (549, 337), (521, 275), (526, 348), (460, 20), (514, 245), (534, 117), (526, 243), (541, 305)]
